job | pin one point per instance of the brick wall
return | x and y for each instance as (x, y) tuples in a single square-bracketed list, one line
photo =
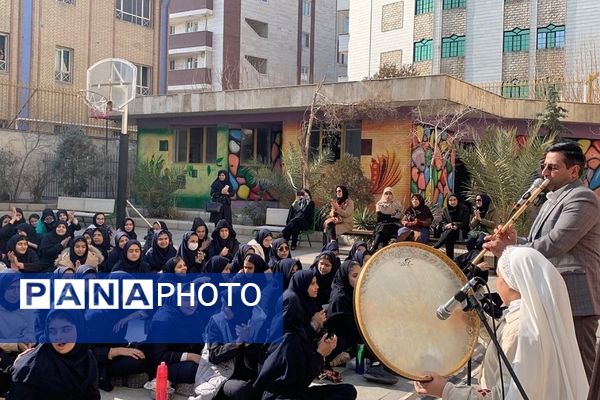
[(551, 12), (454, 66), (516, 14), (424, 67), (423, 27), (550, 63), (454, 22), (515, 66)]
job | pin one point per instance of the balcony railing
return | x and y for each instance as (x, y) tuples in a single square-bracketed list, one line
[(191, 39), (197, 76)]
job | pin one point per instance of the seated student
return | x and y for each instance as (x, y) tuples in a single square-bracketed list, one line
[(69, 217), (325, 268), (287, 267), (292, 364), (189, 250), (416, 221), (482, 223), (99, 221), (224, 242), (537, 335), (389, 214), (156, 227), (20, 257), (46, 223), (33, 219), (61, 369), (455, 219), (52, 245), (101, 241), (120, 362), (128, 226), (230, 335), (201, 230), (161, 251), (9, 227), (79, 253), (182, 359), (357, 246), (132, 261), (24, 229), (15, 323), (280, 250), (300, 217), (116, 253), (262, 243), (238, 260)]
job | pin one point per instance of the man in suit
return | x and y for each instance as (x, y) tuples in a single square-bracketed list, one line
[(567, 232)]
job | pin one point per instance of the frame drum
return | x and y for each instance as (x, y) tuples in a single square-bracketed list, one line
[(395, 303)]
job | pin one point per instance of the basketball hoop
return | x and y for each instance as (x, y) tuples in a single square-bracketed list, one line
[(100, 107)]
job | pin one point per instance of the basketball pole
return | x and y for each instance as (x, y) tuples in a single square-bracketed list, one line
[(123, 167)]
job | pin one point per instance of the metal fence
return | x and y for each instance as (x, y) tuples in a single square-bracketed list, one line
[(100, 183), (581, 91), (49, 110)]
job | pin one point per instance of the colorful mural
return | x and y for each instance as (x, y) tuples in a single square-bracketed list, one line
[(591, 149), (432, 164), (385, 172)]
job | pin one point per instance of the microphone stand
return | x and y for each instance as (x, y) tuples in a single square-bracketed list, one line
[(473, 303)]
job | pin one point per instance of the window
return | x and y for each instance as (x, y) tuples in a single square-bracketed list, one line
[(343, 23), (453, 46), (171, 30), (515, 89), (63, 65), (551, 37), (191, 26), (144, 78), (346, 139), (423, 7), (448, 4), (393, 57), (191, 63), (3, 52), (306, 7), (261, 28), (423, 50), (135, 11), (342, 57), (196, 145), (516, 40), (67, 1), (391, 16), (171, 65), (259, 64), (304, 73), (305, 39)]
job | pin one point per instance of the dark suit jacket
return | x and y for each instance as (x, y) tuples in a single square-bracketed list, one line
[(567, 232)]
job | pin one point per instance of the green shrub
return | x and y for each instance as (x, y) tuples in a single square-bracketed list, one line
[(155, 185), (76, 160), (364, 219)]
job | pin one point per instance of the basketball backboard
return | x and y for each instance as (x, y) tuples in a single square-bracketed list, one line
[(113, 79)]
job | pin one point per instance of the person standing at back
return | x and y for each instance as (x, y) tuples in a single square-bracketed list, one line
[(221, 192), (567, 232)]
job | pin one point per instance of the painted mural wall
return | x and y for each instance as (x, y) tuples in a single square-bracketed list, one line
[(591, 149)]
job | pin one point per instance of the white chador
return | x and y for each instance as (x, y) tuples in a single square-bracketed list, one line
[(537, 335)]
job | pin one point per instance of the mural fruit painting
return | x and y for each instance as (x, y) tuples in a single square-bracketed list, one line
[(243, 192)]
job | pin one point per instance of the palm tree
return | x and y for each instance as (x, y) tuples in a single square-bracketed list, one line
[(503, 165)]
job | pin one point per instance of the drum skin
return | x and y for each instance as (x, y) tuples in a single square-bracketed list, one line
[(395, 302)]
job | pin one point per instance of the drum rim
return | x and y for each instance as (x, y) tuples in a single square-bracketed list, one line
[(360, 321)]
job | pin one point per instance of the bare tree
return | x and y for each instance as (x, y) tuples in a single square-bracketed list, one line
[(32, 144)]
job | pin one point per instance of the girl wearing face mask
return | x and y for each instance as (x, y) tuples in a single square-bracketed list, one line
[(189, 251)]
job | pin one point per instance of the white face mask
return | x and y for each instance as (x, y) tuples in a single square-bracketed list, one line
[(193, 246)]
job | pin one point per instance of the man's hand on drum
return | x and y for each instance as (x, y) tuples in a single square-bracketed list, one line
[(434, 387), (497, 242)]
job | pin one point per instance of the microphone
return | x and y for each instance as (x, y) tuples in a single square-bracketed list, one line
[(536, 184), (445, 310)]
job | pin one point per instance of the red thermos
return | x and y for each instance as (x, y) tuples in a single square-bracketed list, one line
[(161, 382)]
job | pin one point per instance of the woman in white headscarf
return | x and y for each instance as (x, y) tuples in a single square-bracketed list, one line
[(389, 214), (537, 335)]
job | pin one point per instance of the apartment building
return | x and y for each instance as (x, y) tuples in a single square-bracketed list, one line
[(509, 43), (47, 46), (237, 44)]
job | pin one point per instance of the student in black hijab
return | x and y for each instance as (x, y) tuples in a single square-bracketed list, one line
[(101, 241), (325, 268), (287, 268), (9, 227), (292, 364), (99, 221), (223, 242), (455, 219), (262, 243), (254, 264), (361, 257), (128, 226), (70, 219), (358, 245), (221, 192), (24, 229), (157, 226), (59, 370), (182, 359), (46, 223), (334, 247), (240, 255), (131, 261), (162, 249), (20, 257), (229, 338), (482, 222), (189, 251), (33, 219), (300, 216), (280, 250), (52, 245), (217, 265), (201, 230), (115, 255)]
